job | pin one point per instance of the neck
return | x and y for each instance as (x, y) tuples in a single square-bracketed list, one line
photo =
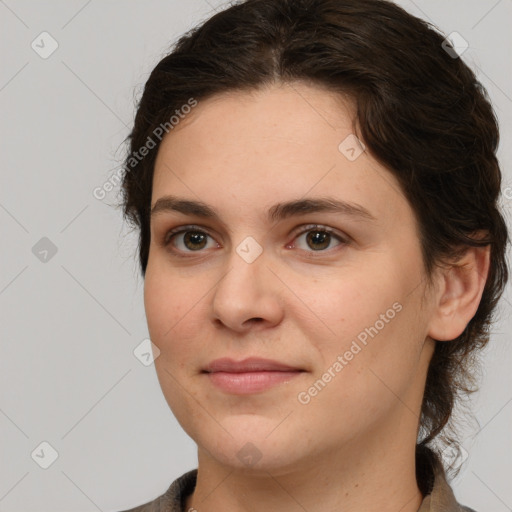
[(368, 476)]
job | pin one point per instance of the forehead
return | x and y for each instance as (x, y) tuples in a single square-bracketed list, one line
[(293, 112), (271, 145)]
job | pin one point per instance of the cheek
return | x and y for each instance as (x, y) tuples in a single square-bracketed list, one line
[(380, 343), (344, 307), (169, 314), (168, 302), (370, 322)]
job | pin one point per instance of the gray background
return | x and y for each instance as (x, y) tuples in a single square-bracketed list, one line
[(70, 324)]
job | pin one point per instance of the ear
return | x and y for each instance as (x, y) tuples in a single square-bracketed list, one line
[(459, 292)]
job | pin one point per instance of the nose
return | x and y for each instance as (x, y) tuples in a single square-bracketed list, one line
[(249, 295)]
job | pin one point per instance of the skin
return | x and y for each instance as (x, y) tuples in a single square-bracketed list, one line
[(351, 447)]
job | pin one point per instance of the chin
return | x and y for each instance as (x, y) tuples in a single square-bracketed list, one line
[(256, 458), (249, 442)]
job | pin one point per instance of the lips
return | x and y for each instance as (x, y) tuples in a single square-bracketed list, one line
[(251, 364), (252, 375)]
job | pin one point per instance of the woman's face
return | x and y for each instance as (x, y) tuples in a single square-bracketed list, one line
[(261, 270)]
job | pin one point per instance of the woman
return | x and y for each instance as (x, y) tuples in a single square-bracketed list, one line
[(315, 183)]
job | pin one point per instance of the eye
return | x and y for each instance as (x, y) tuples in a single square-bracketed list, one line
[(187, 239), (190, 239), (319, 238)]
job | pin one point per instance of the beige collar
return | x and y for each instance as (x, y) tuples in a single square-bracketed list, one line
[(441, 499)]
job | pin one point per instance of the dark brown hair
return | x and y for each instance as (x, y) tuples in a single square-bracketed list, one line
[(420, 112)]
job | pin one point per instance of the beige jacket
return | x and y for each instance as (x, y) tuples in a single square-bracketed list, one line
[(441, 499)]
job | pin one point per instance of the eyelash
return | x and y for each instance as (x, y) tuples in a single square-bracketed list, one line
[(169, 236)]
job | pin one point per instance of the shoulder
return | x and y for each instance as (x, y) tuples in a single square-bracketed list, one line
[(440, 497), (173, 499)]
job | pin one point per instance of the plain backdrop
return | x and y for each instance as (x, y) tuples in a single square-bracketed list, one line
[(71, 310)]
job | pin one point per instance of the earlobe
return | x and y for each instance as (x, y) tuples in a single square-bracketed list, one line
[(459, 292)]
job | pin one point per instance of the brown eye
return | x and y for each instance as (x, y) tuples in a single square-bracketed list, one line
[(187, 240), (194, 240), (319, 238)]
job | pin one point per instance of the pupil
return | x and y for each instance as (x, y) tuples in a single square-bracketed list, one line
[(319, 237), (195, 239)]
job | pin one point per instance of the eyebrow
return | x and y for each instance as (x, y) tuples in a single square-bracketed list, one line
[(279, 211)]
